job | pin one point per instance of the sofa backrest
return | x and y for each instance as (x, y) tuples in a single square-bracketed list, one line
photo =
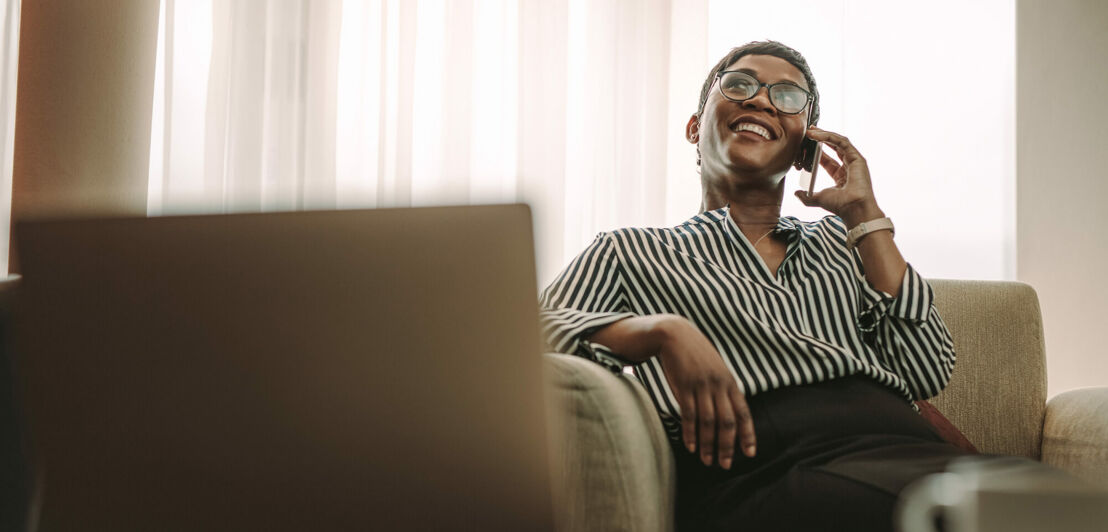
[(997, 394)]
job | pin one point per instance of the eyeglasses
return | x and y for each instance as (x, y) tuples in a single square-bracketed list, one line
[(740, 87)]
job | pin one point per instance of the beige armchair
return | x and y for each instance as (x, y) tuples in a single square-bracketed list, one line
[(615, 470)]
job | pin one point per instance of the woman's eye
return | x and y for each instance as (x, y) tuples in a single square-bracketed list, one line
[(740, 85)]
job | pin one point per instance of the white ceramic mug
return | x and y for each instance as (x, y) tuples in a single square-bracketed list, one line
[(983, 494)]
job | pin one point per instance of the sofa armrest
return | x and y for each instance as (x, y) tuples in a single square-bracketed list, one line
[(1075, 433), (611, 459)]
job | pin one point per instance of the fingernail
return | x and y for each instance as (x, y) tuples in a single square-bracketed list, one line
[(690, 446), (726, 463), (749, 451)]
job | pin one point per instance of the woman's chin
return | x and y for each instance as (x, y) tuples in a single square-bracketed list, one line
[(756, 161), (756, 168)]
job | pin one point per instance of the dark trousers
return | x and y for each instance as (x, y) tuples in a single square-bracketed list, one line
[(830, 456)]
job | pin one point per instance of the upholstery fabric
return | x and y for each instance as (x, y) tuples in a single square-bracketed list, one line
[(997, 395), (611, 441), (1075, 435)]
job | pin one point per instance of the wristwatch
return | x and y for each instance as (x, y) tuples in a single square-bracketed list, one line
[(865, 228), (600, 354)]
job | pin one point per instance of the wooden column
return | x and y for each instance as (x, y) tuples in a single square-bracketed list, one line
[(82, 129)]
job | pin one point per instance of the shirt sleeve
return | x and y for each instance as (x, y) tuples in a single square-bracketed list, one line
[(907, 332), (587, 295)]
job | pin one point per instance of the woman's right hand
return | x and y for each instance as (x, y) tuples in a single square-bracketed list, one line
[(713, 409)]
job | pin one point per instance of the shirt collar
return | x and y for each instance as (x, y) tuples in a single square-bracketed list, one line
[(785, 224)]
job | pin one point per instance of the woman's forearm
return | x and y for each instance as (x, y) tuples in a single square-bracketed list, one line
[(635, 339), (883, 263)]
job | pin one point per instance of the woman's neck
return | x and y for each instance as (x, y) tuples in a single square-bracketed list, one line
[(749, 205)]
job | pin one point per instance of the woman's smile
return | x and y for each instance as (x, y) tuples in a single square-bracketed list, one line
[(749, 143)]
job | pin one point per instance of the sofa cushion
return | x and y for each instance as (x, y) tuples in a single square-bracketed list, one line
[(610, 440), (997, 394)]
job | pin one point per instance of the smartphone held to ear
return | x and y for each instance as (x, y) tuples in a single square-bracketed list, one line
[(810, 152)]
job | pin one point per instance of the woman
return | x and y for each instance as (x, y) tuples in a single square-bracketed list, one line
[(782, 355)]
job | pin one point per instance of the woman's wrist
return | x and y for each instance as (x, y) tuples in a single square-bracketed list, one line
[(665, 328), (861, 213)]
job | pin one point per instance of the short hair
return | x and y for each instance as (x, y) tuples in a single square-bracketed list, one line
[(775, 49)]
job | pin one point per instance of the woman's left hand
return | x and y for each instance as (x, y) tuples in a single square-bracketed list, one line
[(852, 195)]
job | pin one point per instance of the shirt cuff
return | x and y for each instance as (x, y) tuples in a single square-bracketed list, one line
[(913, 303)]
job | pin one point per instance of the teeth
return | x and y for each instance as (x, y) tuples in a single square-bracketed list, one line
[(753, 128)]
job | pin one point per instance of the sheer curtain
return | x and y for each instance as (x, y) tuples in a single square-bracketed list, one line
[(577, 107), (295, 104)]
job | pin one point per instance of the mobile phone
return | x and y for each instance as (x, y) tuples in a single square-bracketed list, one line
[(808, 161)]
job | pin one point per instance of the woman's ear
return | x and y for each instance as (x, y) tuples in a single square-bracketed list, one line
[(800, 156), (692, 129), (802, 153)]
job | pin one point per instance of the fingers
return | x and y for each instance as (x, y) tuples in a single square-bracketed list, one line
[(743, 420), (706, 425), (725, 446), (688, 421), (807, 200), (842, 145), (830, 164)]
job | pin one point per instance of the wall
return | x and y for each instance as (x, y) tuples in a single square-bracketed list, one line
[(82, 129), (1062, 180)]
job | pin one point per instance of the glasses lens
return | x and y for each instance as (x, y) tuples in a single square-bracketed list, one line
[(788, 98), (738, 86)]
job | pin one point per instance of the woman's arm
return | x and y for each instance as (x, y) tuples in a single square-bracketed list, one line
[(852, 200), (713, 409), (881, 259), (635, 339), (906, 328)]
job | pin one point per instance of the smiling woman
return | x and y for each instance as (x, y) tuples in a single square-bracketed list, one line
[(782, 356), (726, 143)]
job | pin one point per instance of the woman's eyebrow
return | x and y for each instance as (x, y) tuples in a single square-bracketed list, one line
[(754, 73)]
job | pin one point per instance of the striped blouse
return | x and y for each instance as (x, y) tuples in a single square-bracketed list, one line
[(819, 319)]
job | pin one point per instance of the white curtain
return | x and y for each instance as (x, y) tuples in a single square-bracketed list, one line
[(296, 104), (577, 107), (9, 57)]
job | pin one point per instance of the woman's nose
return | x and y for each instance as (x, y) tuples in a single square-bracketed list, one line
[(760, 100)]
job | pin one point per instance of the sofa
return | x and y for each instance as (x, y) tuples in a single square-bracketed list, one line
[(614, 469)]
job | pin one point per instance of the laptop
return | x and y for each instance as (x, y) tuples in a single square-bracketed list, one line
[(333, 370)]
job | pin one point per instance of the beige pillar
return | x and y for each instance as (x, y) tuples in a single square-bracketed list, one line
[(1062, 180), (82, 128)]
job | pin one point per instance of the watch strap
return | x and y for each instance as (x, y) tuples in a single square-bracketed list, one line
[(865, 228), (600, 354)]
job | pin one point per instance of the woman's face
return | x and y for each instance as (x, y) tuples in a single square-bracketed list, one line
[(725, 150)]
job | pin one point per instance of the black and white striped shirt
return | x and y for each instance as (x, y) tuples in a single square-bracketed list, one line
[(819, 319)]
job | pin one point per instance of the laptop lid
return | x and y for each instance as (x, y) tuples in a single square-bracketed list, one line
[(364, 369)]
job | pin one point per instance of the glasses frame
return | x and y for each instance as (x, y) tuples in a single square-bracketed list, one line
[(769, 88)]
